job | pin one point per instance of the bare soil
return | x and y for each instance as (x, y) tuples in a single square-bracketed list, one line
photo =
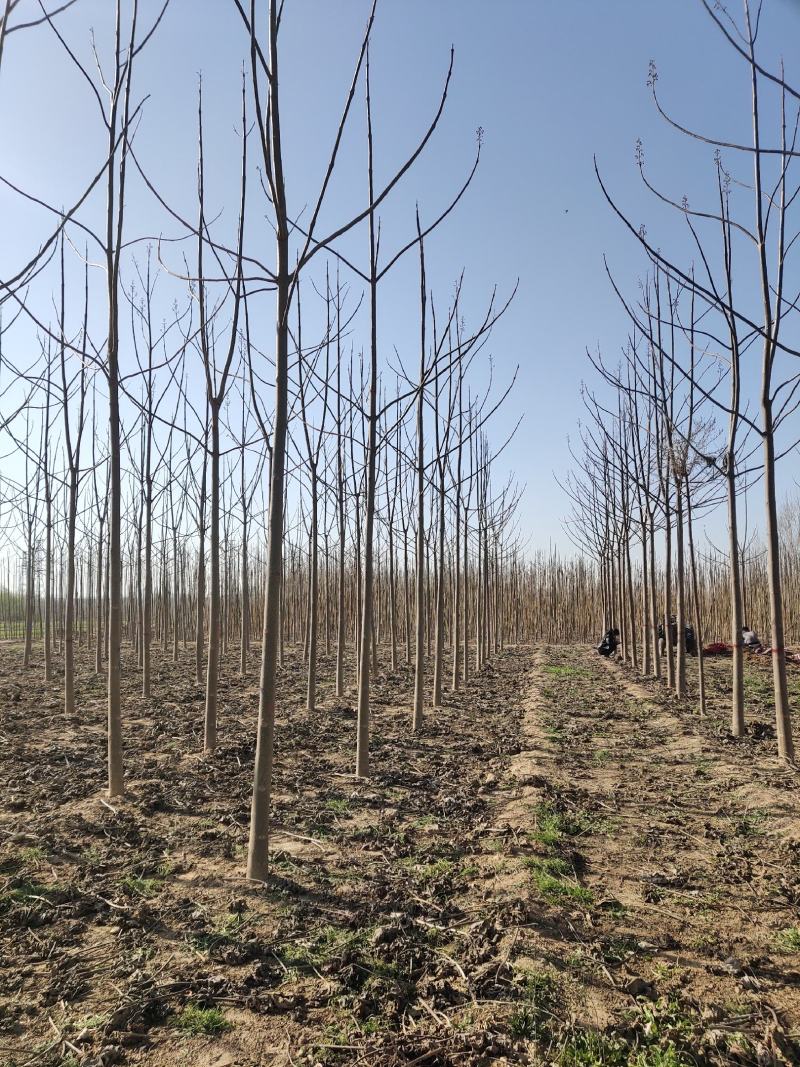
[(565, 866)]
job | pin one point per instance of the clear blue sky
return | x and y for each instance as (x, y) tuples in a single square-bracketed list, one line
[(551, 82)]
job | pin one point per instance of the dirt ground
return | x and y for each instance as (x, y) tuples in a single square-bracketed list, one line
[(565, 866)]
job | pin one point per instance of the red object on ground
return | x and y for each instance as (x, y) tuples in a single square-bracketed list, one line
[(717, 648)]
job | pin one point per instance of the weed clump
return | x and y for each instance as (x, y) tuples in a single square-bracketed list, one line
[(554, 888), (196, 1020), (135, 886), (534, 1017), (549, 873), (789, 940), (587, 1048)]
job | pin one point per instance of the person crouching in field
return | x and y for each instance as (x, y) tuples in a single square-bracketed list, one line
[(750, 641), (608, 646)]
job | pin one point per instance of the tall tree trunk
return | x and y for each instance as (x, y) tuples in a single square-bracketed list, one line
[(783, 723), (313, 597), (212, 668), (651, 537), (737, 622), (419, 666), (668, 595), (680, 659)]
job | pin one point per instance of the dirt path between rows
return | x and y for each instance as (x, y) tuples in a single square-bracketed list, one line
[(686, 843)]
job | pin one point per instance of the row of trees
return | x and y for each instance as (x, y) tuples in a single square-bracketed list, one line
[(57, 521), (691, 424), (183, 474), (542, 599)]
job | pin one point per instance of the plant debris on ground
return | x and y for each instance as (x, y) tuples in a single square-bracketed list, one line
[(564, 866)]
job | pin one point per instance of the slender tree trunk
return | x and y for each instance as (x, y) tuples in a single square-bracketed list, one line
[(651, 534), (783, 723), (48, 582), (392, 601), (313, 598), (737, 680), (698, 618), (98, 650), (438, 662), (465, 634), (245, 621), (257, 855), (212, 670), (680, 664), (419, 667), (406, 597), (668, 596), (646, 642)]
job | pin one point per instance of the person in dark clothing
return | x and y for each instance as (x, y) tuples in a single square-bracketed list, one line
[(673, 633), (608, 646), (690, 640)]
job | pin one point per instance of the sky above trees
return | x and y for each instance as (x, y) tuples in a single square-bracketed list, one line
[(549, 84)]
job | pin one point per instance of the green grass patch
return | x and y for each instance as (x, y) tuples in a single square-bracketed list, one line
[(375, 1024), (548, 825), (554, 865), (333, 1046), (135, 886), (88, 1022), (533, 1017), (705, 943), (32, 855), (327, 943), (196, 1020), (788, 940), (702, 766), (523, 1022), (552, 826), (429, 874), (661, 1057), (28, 892), (758, 688), (619, 949), (424, 822), (663, 1022), (552, 886), (225, 932), (587, 1048), (563, 670), (433, 872), (750, 823)]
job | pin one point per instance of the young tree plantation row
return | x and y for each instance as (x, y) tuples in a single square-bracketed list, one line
[(703, 402), (157, 456)]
